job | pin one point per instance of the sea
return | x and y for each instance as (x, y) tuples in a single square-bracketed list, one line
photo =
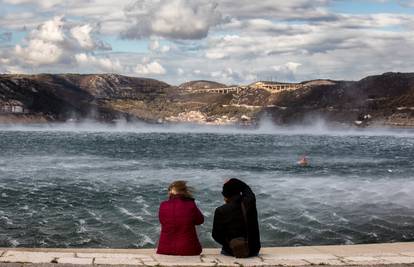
[(100, 186)]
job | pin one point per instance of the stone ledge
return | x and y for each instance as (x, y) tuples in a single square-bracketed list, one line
[(394, 254)]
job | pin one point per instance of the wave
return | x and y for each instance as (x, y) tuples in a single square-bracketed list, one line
[(146, 240), (130, 214), (81, 227)]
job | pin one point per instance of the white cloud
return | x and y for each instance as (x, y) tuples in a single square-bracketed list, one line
[(155, 46), (39, 52), (288, 67), (150, 68), (50, 31), (108, 14), (176, 19), (43, 4), (82, 34), (44, 44), (286, 72), (292, 9), (13, 70), (101, 64), (56, 42), (228, 40)]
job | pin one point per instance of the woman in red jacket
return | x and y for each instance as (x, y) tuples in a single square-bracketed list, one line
[(178, 217)]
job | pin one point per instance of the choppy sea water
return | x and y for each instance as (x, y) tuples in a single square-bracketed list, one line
[(101, 187)]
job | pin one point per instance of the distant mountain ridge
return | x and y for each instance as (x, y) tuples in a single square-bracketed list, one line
[(386, 99), (200, 84)]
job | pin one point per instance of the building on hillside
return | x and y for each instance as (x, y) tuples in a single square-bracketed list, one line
[(275, 87), (12, 106)]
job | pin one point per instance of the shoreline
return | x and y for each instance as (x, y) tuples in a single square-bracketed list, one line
[(386, 254), (328, 125)]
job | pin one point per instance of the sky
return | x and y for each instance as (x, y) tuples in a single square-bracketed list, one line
[(229, 41)]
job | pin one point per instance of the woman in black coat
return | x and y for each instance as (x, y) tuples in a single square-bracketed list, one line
[(229, 221)]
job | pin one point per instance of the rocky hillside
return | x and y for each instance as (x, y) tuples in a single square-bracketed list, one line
[(382, 99), (74, 96), (386, 99), (201, 84)]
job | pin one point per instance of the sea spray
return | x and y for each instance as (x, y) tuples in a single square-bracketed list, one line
[(91, 186)]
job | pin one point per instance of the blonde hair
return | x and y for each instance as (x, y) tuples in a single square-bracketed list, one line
[(180, 188)]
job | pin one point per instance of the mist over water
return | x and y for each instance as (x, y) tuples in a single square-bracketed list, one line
[(95, 185), (265, 126)]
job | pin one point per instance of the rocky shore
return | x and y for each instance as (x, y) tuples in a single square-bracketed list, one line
[(382, 100)]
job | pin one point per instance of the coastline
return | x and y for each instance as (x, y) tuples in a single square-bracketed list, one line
[(47, 120), (389, 254)]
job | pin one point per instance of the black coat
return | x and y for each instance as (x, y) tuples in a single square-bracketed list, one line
[(229, 223)]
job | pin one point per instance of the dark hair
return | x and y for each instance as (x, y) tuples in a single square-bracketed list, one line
[(181, 188), (231, 188)]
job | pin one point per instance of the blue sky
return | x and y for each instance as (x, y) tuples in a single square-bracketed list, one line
[(369, 7), (230, 41)]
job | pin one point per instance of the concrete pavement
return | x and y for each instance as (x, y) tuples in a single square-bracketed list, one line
[(394, 254)]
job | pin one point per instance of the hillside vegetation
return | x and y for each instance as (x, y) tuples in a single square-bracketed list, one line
[(386, 99)]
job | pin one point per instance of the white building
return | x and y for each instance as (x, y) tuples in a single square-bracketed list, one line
[(12, 106)]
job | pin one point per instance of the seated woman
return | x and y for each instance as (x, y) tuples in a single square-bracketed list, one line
[(178, 217)]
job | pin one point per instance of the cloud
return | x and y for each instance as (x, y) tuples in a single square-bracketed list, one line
[(291, 67), (12, 70), (180, 71), (175, 19), (82, 34), (234, 41), (287, 71), (280, 10), (39, 52), (109, 15), (266, 38), (150, 68), (57, 42), (406, 3), (20, 21), (43, 4), (43, 44), (155, 46), (101, 64), (50, 31)]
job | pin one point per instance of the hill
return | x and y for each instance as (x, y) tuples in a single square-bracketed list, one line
[(386, 99), (201, 84)]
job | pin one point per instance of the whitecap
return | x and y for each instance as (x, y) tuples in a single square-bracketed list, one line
[(82, 228), (130, 214), (7, 220), (14, 242), (145, 211), (25, 207), (340, 218), (127, 227), (139, 199), (95, 216), (373, 234), (146, 240)]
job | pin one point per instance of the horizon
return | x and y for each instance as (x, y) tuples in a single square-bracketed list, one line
[(187, 40)]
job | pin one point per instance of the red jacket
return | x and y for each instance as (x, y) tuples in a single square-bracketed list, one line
[(178, 217)]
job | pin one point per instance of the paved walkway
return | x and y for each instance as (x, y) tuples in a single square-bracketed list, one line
[(367, 255)]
